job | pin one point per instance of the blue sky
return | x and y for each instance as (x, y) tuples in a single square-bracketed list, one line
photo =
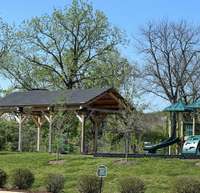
[(129, 15)]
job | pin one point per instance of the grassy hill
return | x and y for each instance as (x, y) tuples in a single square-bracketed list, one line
[(158, 174)]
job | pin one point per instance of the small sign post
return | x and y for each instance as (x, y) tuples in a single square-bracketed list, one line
[(102, 173)]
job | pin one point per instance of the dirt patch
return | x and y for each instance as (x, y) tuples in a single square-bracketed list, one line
[(197, 164), (125, 162), (56, 162)]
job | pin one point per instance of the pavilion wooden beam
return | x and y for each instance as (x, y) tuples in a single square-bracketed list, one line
[(118, 100), (110, 111), (20, 119)]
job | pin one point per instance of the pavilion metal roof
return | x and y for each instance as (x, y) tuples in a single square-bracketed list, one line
[(178, 107), (49, 98)]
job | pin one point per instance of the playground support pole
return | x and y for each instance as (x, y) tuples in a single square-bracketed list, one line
[(182, 133), (193, 125), (169, 128), (177, 129)]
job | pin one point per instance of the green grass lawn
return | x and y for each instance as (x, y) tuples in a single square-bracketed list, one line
[(158, 174)]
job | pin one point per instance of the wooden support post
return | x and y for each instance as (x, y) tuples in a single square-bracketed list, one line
[(50, 120), (193, 125), (38, 139), (83, 134), (39, 125), (50, 135), (38, 121), (82, 119), (20, 119), (20, 135), (97, 120), (95, 137)]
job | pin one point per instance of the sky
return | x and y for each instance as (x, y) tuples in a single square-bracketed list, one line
[(129, 15)]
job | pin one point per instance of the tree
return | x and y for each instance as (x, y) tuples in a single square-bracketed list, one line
[(59, 124), (171, 52), (5, 39), (6, 43), (126, 126), (62, 50)]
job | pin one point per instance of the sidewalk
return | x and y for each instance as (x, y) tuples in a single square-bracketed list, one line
[(9, 192)]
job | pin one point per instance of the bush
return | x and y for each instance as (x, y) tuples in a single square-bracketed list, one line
[(186, 185), (88, 184), (22, 178), (3, 178), (55, 183), (131, 185)]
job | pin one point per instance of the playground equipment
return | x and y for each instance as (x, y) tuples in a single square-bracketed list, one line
[(175, 110), (191, 146), (165, 143), (181, 132)]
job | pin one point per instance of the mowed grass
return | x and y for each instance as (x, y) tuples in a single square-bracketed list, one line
[(158, 174)]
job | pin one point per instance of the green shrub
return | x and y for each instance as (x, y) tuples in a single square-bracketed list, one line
[(3, 178), (186, 185), (131, 185), (22, 178), (55, 183), (88, 184)]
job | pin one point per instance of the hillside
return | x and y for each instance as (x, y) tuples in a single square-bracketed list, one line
[(155, 120)]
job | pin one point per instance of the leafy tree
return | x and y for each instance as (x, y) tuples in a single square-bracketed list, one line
[(8, 133), (65, 129), (64, 49), (5, 39)]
